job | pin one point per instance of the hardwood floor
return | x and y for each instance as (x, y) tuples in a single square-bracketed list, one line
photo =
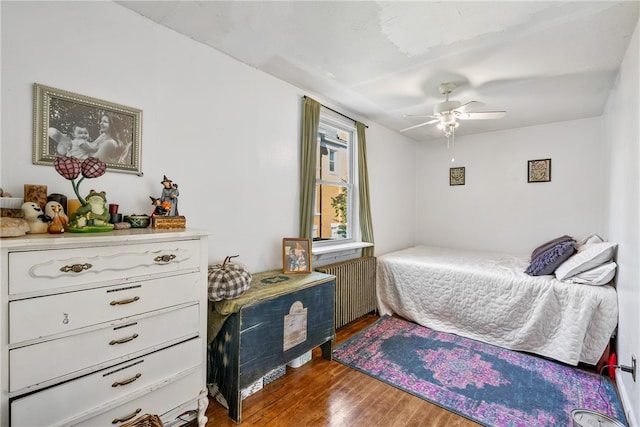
[(328, 393)]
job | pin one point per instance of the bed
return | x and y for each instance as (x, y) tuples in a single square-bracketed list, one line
[(487, 296)]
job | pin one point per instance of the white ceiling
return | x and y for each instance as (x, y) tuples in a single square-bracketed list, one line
[(542, 62)]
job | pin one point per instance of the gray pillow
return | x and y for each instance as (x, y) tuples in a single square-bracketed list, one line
[(550, 244), (549, 260)]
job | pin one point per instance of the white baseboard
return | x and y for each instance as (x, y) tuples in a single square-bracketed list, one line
[(627, 405)]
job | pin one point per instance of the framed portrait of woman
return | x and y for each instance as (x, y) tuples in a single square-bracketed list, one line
[(70, 124), (296, 255)]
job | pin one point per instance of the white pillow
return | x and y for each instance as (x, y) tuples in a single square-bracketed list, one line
[(596, 276), (588, 257), (591, 238)]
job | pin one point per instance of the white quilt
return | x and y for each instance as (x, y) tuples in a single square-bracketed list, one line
[(488, 297)]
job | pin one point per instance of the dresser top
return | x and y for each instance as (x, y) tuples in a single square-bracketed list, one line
[(105, 238)]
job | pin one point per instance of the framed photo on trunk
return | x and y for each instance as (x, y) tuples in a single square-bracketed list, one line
[(296, 255)]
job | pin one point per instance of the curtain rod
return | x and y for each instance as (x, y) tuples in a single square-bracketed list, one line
[(337, 112)]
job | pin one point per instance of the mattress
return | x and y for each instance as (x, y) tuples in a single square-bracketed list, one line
[(487, 296)]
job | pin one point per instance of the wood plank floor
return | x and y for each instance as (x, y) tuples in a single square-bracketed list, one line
[(328, 393)]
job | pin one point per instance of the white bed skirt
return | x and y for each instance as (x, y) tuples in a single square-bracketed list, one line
[(487, 297)]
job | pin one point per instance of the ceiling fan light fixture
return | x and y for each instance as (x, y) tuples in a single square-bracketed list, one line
[(448, 127)]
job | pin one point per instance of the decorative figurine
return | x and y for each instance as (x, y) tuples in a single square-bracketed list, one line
[(160, 208), (93, 215), (35, 217), (165, 208), (50, 209), (58, 225), (170, 194)]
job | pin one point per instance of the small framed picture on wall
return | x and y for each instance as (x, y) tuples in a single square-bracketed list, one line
[(456, 176), (539, 170)]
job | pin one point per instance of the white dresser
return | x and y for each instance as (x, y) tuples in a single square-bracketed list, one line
[(99, 328)]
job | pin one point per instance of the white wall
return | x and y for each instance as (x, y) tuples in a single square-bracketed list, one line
[(622, 217), (229, 136), (225, 132), (497, 209)]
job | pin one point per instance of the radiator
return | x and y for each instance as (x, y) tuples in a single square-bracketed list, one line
[(355, 288)]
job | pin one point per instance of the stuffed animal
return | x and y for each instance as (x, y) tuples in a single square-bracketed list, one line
[(13, 227), (35, 217)]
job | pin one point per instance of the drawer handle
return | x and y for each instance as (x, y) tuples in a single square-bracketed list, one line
[(124, 301), (123, 340), (164, 258), (127, 417), (125, 382), (76, 268)]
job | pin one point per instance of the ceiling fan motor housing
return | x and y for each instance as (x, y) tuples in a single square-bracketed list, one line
[(446, 106)]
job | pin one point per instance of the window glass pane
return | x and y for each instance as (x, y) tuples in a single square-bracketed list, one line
[(330, 222), (335, 189), (332, 159)]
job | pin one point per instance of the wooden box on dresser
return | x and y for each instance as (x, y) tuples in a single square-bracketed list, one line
[(100, 328)]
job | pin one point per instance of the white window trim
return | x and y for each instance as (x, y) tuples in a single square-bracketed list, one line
[(335, 253), (327, 249), (328, 246)]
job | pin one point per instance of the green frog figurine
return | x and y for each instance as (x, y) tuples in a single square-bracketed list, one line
[(93, 216)]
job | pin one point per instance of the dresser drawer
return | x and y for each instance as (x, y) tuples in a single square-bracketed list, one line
[(158, 402), (46, 270), (68, 400), (40, 317), (34, 364)]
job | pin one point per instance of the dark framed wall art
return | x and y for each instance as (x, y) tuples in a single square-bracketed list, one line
[(70, 124), (456, 176), (539, 170)]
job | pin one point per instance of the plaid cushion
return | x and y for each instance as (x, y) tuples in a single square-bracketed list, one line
[(228, 281)]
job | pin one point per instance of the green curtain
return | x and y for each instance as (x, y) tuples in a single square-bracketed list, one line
[(366, 226), (310, 121)]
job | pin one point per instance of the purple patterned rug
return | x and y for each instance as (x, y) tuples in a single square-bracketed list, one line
[(487, 384)]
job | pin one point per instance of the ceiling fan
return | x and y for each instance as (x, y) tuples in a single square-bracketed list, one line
[(448, 112)]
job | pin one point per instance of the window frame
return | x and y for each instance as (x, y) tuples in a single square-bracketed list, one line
[(332, 120)]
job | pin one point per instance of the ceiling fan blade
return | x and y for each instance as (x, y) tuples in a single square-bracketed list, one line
[(482, 115), (419, 115), (420, 125), (469, 105)]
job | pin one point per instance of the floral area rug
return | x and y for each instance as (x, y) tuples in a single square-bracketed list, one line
[(490, 385)]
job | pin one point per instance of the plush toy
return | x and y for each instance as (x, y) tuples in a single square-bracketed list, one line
[(35, 217), (13, 227)]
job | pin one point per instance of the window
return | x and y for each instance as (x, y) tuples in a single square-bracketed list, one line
[(336, 191), (332, 160)]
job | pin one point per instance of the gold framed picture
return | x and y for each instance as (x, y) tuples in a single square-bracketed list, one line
[(70, 124), (296, 255), (539, 170), (456, 176)]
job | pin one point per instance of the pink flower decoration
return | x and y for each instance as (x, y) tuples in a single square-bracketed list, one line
[(68, 167), (93, 168)]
